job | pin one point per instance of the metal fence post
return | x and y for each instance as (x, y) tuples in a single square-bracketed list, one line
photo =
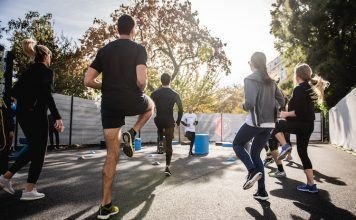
[(221, 125), (71, 120)]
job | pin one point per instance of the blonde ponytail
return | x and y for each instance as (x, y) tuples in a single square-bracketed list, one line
[(35, 52), (318, 84), (28, 46)]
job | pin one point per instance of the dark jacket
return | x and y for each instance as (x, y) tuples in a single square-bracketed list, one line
[(33, 91), (302, 103)]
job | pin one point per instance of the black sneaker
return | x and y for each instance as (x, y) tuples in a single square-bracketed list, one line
[(268, 161), (191, 154), (261, 195), (128, 138), (105, 213), (167, 172), (251, 179)]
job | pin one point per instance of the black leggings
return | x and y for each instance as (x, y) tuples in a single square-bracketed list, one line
[(303, 131), (35, 127), (169, 135), (273, 142), (191, 136)]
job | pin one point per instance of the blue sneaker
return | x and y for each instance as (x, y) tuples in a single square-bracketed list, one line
[(285, 149), (308, 188)]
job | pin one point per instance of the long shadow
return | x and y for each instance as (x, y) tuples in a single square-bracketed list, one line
[(78, 214), (319, 206), (267, 211), (319, 177), (73, 187)]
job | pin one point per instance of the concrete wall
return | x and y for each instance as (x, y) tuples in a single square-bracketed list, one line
[(87, 128)]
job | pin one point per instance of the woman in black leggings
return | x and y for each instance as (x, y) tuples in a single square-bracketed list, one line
[(300, 120), (34, 98)]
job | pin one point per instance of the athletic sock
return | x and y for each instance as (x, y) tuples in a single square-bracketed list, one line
[(280, 168), (107, 206)]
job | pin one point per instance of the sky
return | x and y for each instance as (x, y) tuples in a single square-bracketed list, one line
[(243, 25)]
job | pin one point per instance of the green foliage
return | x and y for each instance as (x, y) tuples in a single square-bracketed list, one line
[(229, 100), (321, 33)]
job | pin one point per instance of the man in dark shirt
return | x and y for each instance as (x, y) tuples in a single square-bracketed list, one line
[(124, 79), (165, 98)]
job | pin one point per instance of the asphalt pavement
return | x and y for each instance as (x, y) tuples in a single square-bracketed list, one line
[(201, 187)]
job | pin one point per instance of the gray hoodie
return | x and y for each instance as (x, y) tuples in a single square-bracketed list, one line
[(262, 99)]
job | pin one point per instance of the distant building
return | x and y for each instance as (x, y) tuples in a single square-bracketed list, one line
[(276, 69)]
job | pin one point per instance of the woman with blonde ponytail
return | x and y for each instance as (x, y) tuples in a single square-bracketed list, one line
[(33, 95), (300, 119)]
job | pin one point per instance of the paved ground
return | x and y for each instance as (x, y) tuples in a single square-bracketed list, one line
[(207, 187)]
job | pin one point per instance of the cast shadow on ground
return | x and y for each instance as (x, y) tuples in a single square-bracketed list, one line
[(319, 206), (319, 177), (68, 181), (267, 211)]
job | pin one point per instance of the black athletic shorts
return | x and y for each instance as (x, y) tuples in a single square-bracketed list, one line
[(114, 116)]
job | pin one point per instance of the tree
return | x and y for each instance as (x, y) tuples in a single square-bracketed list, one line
[(321, 33), (2, 29), (176, 43), (230, 100), (66, 60)]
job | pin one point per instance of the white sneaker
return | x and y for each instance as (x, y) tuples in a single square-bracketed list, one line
[(32, 195), (6, 185)]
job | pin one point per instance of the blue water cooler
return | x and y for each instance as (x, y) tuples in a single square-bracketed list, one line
[(201, 144), (137, 144)]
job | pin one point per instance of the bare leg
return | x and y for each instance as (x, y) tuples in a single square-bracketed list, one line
[(112, 139), (142, 119), (289, 156), (275, 154), (29, 187), (281, 139), (310, 176), (8, 175)]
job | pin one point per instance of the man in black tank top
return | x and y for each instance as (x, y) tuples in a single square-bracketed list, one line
[(122, 64), (165, 98)]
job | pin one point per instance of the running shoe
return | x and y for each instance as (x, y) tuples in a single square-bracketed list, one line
[(261, 195), (285, 149), (268, 161), (32, 195), (128, 138), (308, 188), (6, 185), (167, 172), (251, 179), (278, 174), (105, 213)]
